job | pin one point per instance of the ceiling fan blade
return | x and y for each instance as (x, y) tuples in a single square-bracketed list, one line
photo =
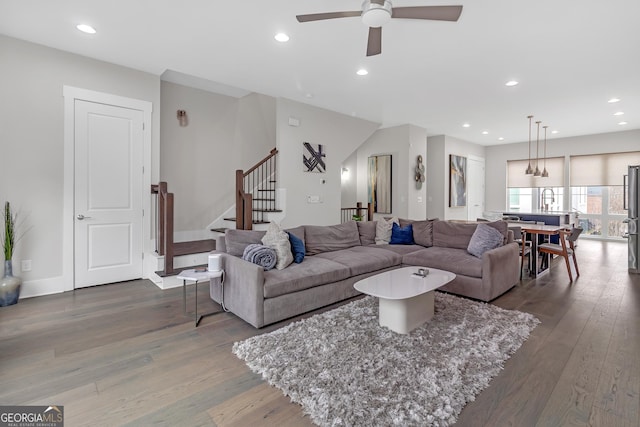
[(374, 46), (328, 15), (435, 13)]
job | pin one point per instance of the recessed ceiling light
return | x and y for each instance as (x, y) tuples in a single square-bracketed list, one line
[(555, 131), (501, 139), (485, 132), (511, 83), (618, 113), (86, 28), (362, 72), (309, 95), (281, 37), (466, 125), (622, 123), (613, 100)]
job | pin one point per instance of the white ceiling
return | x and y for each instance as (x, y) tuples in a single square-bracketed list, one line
[(570, 57)]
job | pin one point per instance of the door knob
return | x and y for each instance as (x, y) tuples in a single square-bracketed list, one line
[(81, 217)]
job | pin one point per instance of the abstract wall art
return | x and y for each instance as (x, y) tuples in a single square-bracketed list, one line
[(457, 181), (313, 158), (379, 183)]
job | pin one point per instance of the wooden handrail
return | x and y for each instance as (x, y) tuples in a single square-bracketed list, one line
[(272, 153), (250, 181)]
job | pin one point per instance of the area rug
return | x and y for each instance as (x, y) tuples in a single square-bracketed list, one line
[(346, 370)]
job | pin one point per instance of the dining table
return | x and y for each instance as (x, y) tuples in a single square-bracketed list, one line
[(536, 230)]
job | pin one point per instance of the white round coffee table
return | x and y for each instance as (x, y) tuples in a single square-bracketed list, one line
[(405, 299)]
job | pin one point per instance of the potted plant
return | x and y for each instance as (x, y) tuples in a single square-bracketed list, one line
[(9, 284)]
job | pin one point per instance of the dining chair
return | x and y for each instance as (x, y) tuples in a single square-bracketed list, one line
[(525, 246), (561, 249)]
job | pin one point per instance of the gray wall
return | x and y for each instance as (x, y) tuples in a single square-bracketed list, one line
[(340, 134), (497, 156), (403, 143), (198, 161), (32, 143), (438, 150)]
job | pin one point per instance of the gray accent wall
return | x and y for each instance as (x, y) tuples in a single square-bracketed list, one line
[(32, 143), (340, 134), (198, 161)]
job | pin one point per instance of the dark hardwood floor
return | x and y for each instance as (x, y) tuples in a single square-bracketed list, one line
[(124, 354)]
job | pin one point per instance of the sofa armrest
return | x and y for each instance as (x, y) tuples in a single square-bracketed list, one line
[(243, 289), (501, 269)]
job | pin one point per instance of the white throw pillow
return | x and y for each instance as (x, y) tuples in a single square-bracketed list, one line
[(383, 230), (278, 239)]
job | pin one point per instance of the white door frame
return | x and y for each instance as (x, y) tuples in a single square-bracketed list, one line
[(71, 94), (481, 160)]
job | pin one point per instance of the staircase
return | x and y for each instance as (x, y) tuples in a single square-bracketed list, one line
[(166, 247), (255, 194)]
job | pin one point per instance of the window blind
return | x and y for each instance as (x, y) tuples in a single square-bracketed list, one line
[(601, 169), (516, 178)]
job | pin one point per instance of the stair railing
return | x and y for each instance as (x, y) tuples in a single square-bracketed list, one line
[(164, 230), (166, 246), (358, 213), (255, 192)]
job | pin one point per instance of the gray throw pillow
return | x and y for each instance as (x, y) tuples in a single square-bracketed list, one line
[(483, 239), (423, 232)]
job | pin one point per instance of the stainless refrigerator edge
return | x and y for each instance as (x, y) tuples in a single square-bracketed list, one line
[(633, 199)]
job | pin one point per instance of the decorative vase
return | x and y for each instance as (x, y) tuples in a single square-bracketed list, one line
[(9, 286)]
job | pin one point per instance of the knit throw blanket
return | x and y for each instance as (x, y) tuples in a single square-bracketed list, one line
[(261, 255)]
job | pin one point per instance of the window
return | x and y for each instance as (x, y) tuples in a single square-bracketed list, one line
[(532, 199), (601, 210)]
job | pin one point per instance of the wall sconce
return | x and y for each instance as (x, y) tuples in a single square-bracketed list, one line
[(345, 173), (182, 118)]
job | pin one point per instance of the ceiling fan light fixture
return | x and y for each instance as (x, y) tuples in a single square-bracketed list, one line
[(375, 14)]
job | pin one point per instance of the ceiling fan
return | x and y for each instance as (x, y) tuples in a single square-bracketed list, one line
[(376, 13)]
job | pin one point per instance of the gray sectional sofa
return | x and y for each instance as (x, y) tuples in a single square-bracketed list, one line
[(340, 255)]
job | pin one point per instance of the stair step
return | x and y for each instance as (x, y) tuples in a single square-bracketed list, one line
[(163, 273), (193, 247), (219, 230), (264, 200), (253, 222), (266, 190), (267, 210)]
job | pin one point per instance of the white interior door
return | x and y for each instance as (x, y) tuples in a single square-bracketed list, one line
[(108, 182), (475, 188)]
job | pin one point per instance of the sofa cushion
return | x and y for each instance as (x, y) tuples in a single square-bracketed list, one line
[(362, 260), (367, 232), (313, 271), (484, 238), (383, 230), (398, 249), (422, 231), (401, 235), (448, 234), (319, 239), (297, 247), (237, 240), (449, 259)]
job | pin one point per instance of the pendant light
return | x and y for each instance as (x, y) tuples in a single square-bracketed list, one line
[(537, 171), (529, 170), (545, 174)]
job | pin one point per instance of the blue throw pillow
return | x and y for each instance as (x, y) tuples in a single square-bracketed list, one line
[(401, 235), (297, 248)]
